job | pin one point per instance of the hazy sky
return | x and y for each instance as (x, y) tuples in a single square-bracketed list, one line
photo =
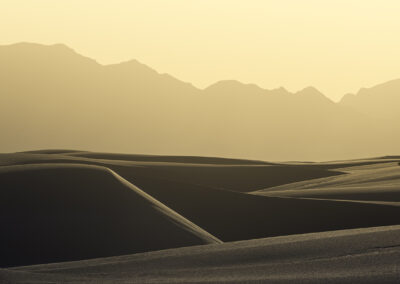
[(337, 46)]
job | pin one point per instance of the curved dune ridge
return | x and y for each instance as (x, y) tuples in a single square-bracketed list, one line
[(171, 159), (221, 173), (369, 255), (206, 193), (371, 183), (59, 205), (59, 212)]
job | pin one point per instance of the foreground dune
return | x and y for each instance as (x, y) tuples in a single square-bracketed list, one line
[(59, 212), (59, 205), (369, 255)]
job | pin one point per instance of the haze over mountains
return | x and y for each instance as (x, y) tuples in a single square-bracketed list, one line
[(52, 97)]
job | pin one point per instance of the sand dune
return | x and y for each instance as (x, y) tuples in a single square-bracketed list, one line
[(52, 151), (204, 194), (58, 212), (369, 255), (80, 205), (237, 216), (373, 182), (229, 174), (171, 159)]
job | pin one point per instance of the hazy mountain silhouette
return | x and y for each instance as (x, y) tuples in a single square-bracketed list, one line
[(52, 97), (382, 100)]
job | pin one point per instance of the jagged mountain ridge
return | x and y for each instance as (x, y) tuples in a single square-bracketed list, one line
[(52, 97)]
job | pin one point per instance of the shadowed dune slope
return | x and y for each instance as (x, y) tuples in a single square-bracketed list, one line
[(202, 196), (241, 178), (233, 216), (59, 212), (369, 255)]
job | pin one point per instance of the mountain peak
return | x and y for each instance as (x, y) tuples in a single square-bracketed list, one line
[(234, 86), (381, 100), (133, 65), (392, 86), (314, 93), (37, 46), (54, 53), (309, 90), (226, 83)]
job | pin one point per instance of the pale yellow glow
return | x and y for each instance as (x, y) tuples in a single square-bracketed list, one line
[(337, 46)]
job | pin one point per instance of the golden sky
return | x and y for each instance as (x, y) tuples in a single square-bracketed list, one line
[(337, 46)]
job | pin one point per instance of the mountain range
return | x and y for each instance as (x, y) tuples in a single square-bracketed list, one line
[(53, 97)]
